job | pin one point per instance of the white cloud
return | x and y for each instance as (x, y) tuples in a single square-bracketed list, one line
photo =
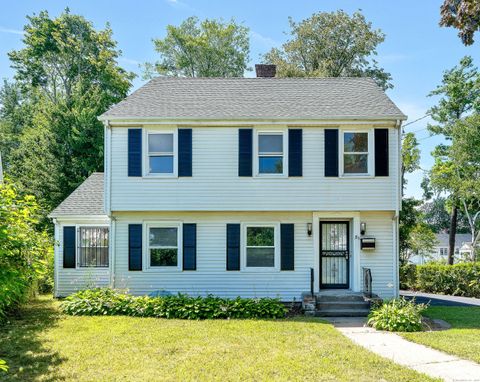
[(129, 61), (264, 40), (11, 31), (391, 58), (179, 5)]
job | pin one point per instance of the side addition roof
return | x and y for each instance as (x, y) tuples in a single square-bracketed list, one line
[(175, 98), (86, 200)]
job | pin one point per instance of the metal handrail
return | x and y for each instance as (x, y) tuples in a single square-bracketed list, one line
[(312, 279), (367, 282)]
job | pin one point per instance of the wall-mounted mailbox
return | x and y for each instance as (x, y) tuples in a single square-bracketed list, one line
[(367, 243)]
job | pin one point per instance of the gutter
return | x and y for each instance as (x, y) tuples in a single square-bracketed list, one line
[(398, 207)]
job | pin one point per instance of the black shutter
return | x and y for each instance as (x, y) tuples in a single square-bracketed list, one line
[(69, 247), (245, 152), (134, 247), (295, 145), (233, 247), (381, 152), (134, 152), (184, 152), (189, 247), (331, 152), (287, 247)]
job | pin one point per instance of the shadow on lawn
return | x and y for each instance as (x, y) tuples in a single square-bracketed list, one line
[(21, 346)]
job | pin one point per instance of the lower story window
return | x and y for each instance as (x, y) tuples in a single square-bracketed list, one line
[(163, 246), (260, 248), (93, 246)]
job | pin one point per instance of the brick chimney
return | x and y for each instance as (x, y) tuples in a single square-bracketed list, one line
[(265, 70)]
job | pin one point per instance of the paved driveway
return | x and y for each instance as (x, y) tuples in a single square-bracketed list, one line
[(439, 299)]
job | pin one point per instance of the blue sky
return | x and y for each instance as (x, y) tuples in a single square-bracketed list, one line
[(416, 50)]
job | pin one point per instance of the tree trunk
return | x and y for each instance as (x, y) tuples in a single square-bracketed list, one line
[(452, 233)]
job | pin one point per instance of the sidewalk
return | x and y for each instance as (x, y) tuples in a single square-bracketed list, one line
[(415, 356)]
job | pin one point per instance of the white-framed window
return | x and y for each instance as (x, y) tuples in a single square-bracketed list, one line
[(356, 153), (261, 247), (270, 153), (443, 251), (163, 245), (161, 153), (92, 247)]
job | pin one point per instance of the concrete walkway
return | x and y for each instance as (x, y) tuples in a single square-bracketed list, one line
[(440, 299), (415, 356)]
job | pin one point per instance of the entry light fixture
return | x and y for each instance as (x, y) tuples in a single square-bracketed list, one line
[(309, 229), (363, 228)]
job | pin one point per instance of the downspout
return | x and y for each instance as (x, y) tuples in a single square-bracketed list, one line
[(398, 206), (107, 197)]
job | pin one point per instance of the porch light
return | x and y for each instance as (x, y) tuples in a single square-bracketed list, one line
[(363, 228), (309, 229)]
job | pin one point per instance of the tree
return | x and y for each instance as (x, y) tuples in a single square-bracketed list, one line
[(331, 45), (65, 76), (463, 15), (422, 239), (460, 91), (436, 215), (410, 155), (208, 48)]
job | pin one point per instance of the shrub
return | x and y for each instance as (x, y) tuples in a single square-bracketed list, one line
[(105, 301), (408, 276), (397, 315), (461, 279)]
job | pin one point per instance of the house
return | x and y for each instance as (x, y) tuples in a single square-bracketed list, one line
[(239, 187), (463, 249)]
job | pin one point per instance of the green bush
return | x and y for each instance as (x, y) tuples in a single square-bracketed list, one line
[(397, 315), (408, 275), (105, 301), (461, 279)]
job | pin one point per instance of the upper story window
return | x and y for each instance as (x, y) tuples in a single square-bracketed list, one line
[(260, 246), (356, 153), (270, 153), (161, 153), (93, 246), (163, 246)]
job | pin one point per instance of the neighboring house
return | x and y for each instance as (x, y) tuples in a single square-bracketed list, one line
[(239, 187), (463, 249)]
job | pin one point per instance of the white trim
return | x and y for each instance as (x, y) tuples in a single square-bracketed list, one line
[(256, 157), (77, 244), (146, 155), (146, 247), (243, 246), (370, 159)]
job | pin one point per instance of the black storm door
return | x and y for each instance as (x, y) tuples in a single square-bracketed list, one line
[(334, 255)]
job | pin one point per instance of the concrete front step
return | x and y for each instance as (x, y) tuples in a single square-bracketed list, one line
[(336, 298), (342, 305), (342, 313)]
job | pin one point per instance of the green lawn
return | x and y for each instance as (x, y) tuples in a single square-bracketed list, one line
[(46, 346), (463, 339)]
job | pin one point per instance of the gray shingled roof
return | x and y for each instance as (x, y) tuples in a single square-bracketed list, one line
[(87, 199), (460, 238), (175, 98)]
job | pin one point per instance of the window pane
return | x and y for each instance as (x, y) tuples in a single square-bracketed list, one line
[(163, 257), (93, 247), (260, 257), (163, 236), (270, 165), (161, 165), (269, 143), (355, 163), (160, 143), (260, 236), (355, 142)]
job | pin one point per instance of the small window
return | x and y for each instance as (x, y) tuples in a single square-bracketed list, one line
[(163, 246), (93, 247), (161, 153), (355, 153), (270, 153), (260, 248)]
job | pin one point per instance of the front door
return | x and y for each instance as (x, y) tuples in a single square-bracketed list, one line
[(334, 255)]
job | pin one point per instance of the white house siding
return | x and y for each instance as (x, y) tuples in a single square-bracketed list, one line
[(216, 186), (211, 275), (69, 280), (382, 260)]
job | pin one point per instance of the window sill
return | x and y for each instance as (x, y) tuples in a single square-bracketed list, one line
[(172, 176), (260, 270), (356, 176)]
